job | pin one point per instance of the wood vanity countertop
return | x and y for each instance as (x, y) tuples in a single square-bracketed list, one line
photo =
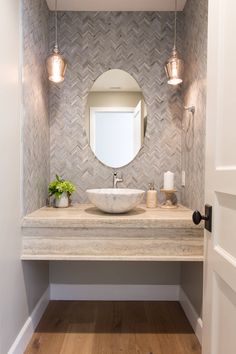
[(86, 215), (82, 232)]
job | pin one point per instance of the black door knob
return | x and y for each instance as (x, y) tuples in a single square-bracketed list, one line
[(198, 217)]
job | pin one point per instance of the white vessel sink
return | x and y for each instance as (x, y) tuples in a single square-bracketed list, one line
[(115, 200)]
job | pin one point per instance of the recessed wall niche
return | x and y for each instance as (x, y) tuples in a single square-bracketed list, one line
[(93, 42)]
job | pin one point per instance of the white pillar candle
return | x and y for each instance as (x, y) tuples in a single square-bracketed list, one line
[(169, 180)]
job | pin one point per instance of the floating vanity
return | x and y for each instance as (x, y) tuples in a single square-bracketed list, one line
[(82, 232)]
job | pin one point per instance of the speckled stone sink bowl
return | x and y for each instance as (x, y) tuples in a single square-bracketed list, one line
[(115, 200)]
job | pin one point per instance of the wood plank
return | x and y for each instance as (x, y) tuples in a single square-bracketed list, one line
[(92, 327)]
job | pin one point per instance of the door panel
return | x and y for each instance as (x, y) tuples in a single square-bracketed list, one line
[(226, 136), (224, 307), (225, 222), (219, 309)]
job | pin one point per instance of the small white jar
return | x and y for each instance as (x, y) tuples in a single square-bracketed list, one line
[(62, 202)]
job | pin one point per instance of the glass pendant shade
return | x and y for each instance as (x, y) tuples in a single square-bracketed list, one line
[(56, 66), (174, 69)]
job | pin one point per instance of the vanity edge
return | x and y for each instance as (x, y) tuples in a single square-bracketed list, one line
[(87, 216)]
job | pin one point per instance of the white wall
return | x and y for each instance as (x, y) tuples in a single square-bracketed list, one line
[(191, 282), (155, 273), (21, 285)]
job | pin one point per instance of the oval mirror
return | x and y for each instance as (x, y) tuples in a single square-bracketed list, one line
[(115, 118)]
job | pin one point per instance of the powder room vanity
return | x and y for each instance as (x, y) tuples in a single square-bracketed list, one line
[(82, 232)]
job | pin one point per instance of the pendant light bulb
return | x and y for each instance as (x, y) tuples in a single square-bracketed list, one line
[(174, 66), (56, 65)]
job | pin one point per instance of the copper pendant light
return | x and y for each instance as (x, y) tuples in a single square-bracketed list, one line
[(56, 65), (175, 66)]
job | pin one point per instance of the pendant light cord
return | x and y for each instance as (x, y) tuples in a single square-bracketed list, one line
[(175, 24), (56, 41)]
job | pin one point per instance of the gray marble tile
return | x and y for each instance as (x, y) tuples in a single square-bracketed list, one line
[(93, 42), (194, 93), (36, 146)]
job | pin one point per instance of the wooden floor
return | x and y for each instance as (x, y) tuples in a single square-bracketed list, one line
[(78, 327)]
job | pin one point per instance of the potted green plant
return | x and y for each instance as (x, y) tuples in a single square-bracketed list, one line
[(61, 190)]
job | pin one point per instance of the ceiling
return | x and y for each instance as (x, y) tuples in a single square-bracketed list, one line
[(116, 5)]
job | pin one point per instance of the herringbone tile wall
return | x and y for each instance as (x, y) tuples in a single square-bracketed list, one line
[(36, 158), (93, 42), (194, 93)]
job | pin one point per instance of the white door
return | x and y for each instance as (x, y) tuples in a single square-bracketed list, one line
[(219, 310)]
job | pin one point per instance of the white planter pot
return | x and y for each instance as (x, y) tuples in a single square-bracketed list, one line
[(62, 202)]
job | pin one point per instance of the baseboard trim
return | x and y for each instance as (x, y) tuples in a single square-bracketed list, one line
[(114, 292), (25, 334), (194, 319)]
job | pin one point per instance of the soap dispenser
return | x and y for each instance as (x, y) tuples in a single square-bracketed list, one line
[(151, 201)]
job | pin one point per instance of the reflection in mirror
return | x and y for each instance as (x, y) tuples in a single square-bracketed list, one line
[(115, 118)]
